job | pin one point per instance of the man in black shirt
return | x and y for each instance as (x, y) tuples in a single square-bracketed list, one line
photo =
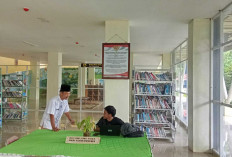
[(108, 118)]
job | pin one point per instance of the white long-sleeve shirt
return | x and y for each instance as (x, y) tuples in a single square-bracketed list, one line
[(56, 107)]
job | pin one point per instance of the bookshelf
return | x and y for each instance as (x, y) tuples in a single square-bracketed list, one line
[(14, 96), (153, 108)]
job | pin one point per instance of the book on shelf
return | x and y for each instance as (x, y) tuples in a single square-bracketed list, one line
[(12, 115), (149, 76), (154, 117), (151, 102), (155, 132), (157, 89), (12, 105), (12, 94), (12, 83)]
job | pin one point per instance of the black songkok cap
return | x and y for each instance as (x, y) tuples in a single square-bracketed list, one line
[(65, 88)]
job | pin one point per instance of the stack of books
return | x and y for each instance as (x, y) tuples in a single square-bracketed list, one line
[(155, 132), (154, 117), (11, 105), (156, 89), (149, 76), (12, 115), (150, 102), (11, 94), (12, 83)]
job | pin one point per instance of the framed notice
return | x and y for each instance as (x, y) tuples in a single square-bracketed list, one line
[(115, 60)]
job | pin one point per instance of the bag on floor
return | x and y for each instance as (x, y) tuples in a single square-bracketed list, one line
[(129, 130)]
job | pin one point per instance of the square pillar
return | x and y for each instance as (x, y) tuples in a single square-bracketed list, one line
[(54, 74), (34, 95), (117, 91), (82, 79), (199, 85)]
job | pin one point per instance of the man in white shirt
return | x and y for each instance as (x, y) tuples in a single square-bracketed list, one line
[(55, 109)]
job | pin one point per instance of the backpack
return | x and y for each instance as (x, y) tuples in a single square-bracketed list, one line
[(129, 130)]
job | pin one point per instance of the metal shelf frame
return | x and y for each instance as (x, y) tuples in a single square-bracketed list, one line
[(169, 132)]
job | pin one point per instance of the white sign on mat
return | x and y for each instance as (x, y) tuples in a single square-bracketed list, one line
[(82, 140)]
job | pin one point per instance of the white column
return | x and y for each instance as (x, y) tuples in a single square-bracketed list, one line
[(82, 78), (34, 96), (166, 61), (91, 79), (130, 86), (116, 92), (54, 74), (199, 85)]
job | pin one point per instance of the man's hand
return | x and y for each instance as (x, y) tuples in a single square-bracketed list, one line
[(55, 129), (69, 117), (97, 129), (72, 122), (53, 123)]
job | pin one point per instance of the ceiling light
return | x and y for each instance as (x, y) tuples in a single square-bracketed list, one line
[(31, 44)]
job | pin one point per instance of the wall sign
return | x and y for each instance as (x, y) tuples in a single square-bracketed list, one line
[(115, 60), (91, 65)]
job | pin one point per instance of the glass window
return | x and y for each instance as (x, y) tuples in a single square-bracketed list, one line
[(227, 28), (227, 55), (87, 91), (222, 91), (184, 76), (184, 108), (227, 112), (43, 87), (33, 87), (92, 98), (180, 56), (178, 78), (177, 55), (226, 132), (177, 105), (184, 51), (70, 77)]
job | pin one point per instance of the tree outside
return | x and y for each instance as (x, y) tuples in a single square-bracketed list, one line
[(228, 75)]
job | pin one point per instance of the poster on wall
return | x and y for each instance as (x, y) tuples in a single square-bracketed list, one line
[(115, 60)]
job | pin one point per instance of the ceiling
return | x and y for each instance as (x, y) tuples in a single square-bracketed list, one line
[(156, 26)]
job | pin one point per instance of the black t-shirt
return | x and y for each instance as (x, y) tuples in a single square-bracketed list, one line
[(115, 121)]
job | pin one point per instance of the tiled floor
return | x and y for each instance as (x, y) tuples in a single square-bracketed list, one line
[(160, 148), (166, 148)]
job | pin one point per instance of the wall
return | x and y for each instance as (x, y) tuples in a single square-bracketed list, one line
[(12, 61), (147, 59)]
